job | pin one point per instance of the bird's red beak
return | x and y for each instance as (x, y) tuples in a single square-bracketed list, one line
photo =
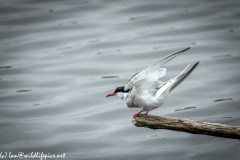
[(111, 94)]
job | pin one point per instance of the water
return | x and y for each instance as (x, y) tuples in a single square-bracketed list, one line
[(59, 59)]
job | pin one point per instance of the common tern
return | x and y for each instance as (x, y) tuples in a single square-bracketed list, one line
[(145, 90)]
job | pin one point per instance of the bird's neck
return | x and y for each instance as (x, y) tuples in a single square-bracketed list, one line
[(123, 95)]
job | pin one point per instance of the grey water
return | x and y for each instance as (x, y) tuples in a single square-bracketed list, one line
[(59, 59)]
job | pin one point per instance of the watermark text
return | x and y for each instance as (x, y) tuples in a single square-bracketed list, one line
[(39, 155)]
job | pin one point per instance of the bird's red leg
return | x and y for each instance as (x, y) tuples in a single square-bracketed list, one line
[(137, 114), (146, 112)]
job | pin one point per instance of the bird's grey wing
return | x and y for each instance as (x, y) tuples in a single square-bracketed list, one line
[(139, 78), (136, 79), (152, 82), (166, 59)]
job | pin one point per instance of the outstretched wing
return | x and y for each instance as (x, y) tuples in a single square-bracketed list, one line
[(147, 73)]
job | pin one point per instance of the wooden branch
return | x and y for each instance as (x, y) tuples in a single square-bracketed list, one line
[(190, 126)]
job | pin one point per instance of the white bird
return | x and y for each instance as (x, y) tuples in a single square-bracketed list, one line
[(145, 90)]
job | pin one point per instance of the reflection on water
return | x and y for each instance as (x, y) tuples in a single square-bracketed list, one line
[(110, 77), (23, 90), (224, 99), (222, 56), (59, 59), (227, 117), (5, 67), (184, 108)]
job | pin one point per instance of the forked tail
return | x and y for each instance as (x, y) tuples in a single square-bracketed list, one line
[(184, 74)]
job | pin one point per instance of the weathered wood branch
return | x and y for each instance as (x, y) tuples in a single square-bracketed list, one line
[(190, 126)]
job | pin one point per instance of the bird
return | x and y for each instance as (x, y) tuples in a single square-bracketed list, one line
[(146, 91)]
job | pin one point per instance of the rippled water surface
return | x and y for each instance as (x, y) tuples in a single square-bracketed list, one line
[(59, 59)]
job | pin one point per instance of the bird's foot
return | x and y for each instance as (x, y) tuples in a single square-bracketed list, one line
[(137, 114), (146, 112)]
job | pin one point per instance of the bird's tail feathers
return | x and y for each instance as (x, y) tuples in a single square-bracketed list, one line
[(164, 90), (184, 74)]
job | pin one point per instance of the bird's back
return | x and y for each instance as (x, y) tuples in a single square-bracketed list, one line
[(142, 96)]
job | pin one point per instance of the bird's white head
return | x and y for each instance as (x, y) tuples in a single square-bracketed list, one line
[(120, 92)]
